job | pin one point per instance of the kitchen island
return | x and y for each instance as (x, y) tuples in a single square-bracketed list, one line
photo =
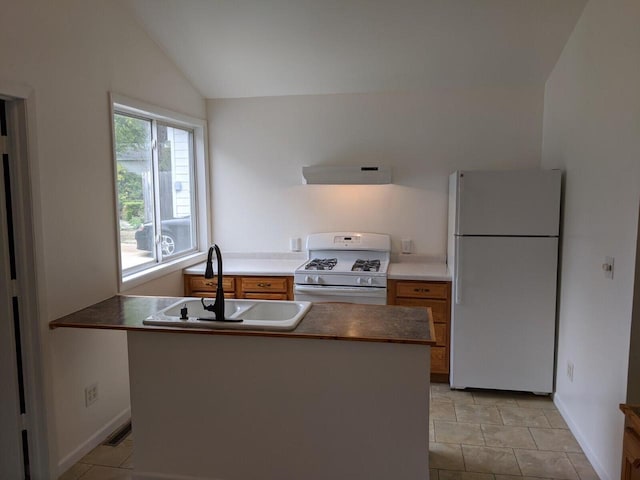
[(344, 395)]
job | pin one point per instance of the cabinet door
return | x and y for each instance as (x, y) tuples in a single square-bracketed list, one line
[(631, 455), (439, 360), (435, 295), (440, 330)]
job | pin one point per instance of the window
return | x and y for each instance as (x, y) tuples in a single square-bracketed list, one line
[(157, 201)]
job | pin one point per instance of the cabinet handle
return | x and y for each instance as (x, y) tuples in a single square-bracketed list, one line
[(262, 284), (425, 290), (209, 284), (457, 287)]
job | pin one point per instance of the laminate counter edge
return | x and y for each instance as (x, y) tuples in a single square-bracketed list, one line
[(328, 321)]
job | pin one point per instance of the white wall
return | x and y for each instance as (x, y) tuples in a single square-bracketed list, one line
[(591, 131), (71, 54), (259, 146)]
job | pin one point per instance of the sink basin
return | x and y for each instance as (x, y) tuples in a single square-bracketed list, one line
[(272, 311), (255, 314)]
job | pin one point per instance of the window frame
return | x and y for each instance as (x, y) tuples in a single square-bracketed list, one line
[(198, 127)]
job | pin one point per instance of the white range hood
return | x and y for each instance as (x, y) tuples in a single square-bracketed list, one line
[(346, 175)]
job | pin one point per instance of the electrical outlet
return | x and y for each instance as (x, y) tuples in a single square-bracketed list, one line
[(295, 244), (570, 371), (90, 394), (407, 245)]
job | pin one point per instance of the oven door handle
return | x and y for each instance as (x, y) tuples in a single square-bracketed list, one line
[(343, 291)]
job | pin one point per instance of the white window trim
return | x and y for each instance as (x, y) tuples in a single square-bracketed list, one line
[(199, 127)]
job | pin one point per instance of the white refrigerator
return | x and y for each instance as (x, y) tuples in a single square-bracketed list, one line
[(503, 255)]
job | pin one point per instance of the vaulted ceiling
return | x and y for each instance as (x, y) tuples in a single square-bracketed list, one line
[(245, 48)]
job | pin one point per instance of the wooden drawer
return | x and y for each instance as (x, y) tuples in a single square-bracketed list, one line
[(210, 284), (212, 294), (264, 284), (421, 290), (266, 296), (439, 360), (438, 307)]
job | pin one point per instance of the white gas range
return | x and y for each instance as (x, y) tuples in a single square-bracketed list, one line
[(344, 267)]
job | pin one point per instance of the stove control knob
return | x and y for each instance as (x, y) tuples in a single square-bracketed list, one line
[(370, 281), (307, 279), (317, 279), (358, 280)]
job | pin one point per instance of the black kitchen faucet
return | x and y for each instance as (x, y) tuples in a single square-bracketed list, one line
[(218, 305)]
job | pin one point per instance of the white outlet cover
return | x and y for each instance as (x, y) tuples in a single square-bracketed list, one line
[(90, 394), (295, 244), (407, 245)]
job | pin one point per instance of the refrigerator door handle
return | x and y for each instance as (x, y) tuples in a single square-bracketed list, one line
[(456, 273)]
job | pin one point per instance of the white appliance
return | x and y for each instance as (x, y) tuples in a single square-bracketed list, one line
[(346, 175), (346, 267), (503, 253)]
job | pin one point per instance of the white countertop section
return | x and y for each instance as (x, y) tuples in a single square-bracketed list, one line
[(403, 270), (419, 271), (252, 266)]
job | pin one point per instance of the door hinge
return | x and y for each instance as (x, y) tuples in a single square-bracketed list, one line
[(24, 422), (4, 145)]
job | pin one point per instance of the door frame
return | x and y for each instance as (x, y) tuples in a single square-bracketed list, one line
[(11, 461), (21, 118)]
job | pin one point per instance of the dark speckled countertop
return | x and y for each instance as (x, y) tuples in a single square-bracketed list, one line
[(337, 321)]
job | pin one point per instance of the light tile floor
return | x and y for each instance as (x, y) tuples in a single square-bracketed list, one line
[(488, 435), (474, 435), (104, 463)]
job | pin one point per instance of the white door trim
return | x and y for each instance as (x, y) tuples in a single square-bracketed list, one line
[(25, 202), (11, 464)]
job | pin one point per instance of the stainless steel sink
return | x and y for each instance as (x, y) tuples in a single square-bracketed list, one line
[(255, 314)]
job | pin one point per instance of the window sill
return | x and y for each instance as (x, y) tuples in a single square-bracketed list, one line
[(159, 271)]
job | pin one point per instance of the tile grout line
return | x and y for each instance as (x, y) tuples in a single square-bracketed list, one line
[(534, 437), (513, 451)]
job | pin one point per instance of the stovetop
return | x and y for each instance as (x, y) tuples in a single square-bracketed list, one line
[(345, 265), (346, 258), (321, 264)]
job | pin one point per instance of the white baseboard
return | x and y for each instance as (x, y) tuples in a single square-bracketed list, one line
[(580, 438), (93, 441)]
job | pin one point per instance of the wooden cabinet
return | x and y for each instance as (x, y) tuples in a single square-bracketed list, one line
[(198, 286), (631, 443), (266, 288), (261, 288), (437, 296)]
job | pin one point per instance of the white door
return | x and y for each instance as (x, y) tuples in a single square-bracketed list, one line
[(522, 202), (11, 459), (503, 322)]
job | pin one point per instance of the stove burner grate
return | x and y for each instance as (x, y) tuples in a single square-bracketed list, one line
[(321, 264), (366, 266)]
